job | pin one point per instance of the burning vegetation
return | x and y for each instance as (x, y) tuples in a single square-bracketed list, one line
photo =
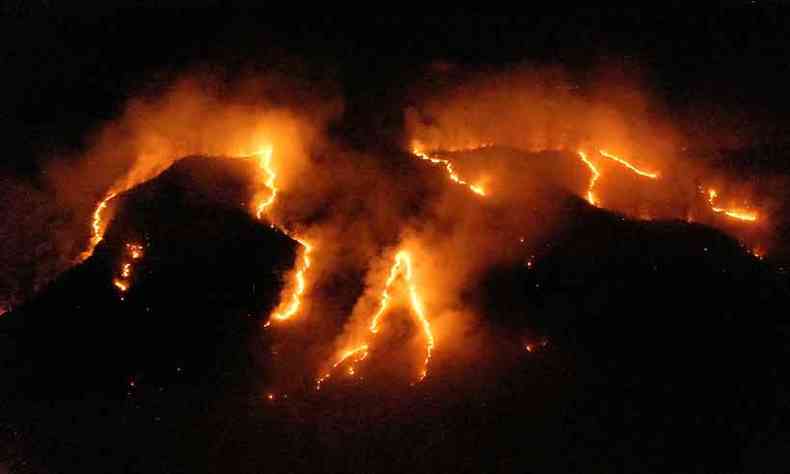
[(345, 210)]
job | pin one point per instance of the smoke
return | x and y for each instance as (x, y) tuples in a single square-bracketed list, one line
[(195, 115), (516, 134)]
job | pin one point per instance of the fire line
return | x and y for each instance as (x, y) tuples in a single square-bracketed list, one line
[(418, 152), (401, 267)]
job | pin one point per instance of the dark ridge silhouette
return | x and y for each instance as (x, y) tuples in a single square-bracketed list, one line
[(654, 347)]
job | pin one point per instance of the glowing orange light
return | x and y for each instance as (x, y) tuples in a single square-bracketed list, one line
[(736, 213), (418, 152), (134, 252), (595, 175), (401, 266), (283, 311), (628, 165), (358, 354), (265, 164), (121, 285), (286, 311), (97, 226)]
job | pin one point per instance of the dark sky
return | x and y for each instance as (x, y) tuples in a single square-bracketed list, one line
[(67, 71)]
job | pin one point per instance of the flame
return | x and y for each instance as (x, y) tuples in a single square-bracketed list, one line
[(265, 163), (418, 152), (121, 285), (736, 213), (401, 266), (628, 165), (283, 311), (133, 252), (98, 226), (595, 175), (264, 157), (359, 353)]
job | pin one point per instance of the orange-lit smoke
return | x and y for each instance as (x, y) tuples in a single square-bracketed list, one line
[(289, 304), (741, 214), (401, 267), (194, 116), (419, 152), (594, 175), (534, 111)]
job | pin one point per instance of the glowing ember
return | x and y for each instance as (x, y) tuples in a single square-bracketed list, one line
[(595, 175), (418, 152), (97, 226), (357, 354), (402, 266), (735, 213), (123, 281), (629, 165), (121, 285)]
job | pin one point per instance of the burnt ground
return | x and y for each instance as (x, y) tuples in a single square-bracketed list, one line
[(658, 347)]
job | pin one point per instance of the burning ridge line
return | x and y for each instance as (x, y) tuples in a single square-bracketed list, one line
[(285, 309), (448, 166), (744, 215), (596, 173), (402, 266)]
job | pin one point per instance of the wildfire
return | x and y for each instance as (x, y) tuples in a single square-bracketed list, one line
[(628, 165), (123, 281), (97, 226), (418, 152), (284, 311), (265, 164), (736, 213), (358, 354), (401, 267), (595, 175)]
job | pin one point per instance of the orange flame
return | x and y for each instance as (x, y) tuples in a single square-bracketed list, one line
[(359, 353), (628, 165), (283, 311), (97, 226), (401, 266), (265, 163), (418, 152), (736, 213), (595, 175), (121, 285), (133, 252)]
